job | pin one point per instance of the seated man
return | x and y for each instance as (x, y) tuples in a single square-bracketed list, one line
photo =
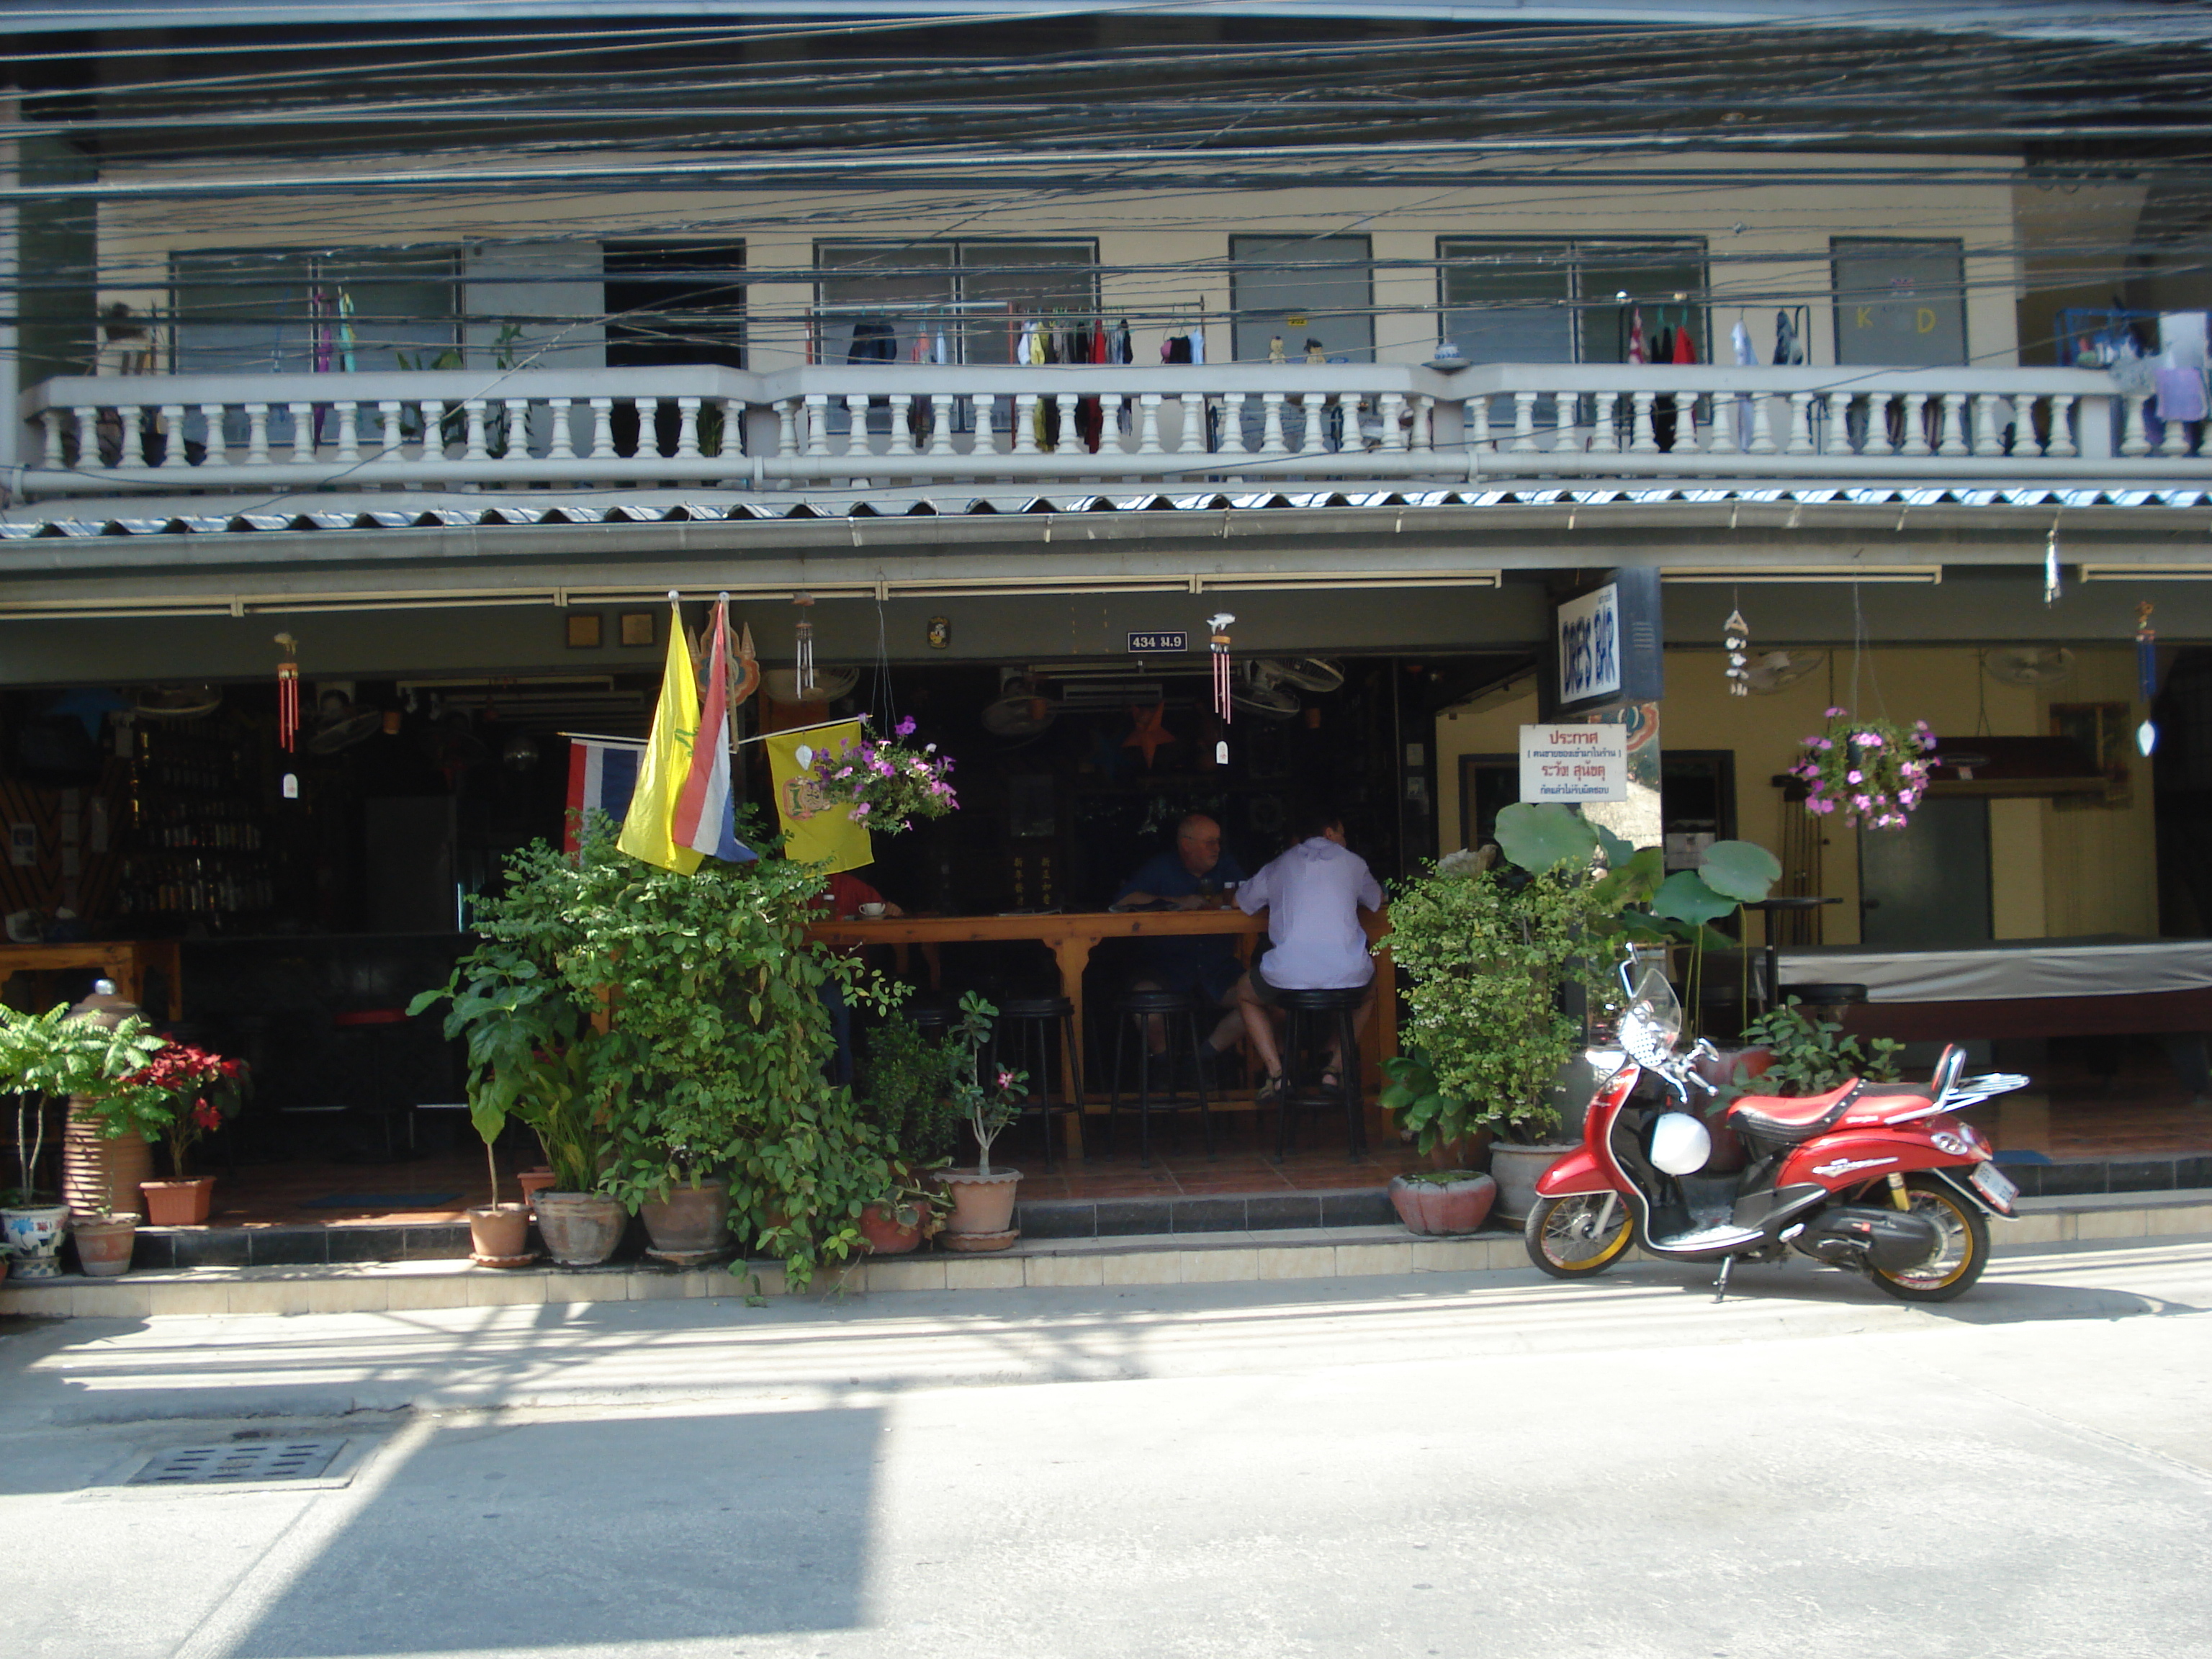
[(840, 901), (1196, 875), (1313, 895)]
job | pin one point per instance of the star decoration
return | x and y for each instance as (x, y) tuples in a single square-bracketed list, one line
[(1152, 732)]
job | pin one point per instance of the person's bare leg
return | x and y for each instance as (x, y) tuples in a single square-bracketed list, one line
[(1358, 1026), (1231, 1028), (1259, 1027)]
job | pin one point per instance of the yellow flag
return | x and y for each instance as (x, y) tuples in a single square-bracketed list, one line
[(815, 829), (647, 832)]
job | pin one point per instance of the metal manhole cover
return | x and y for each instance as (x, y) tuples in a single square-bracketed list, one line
[(253, 1460)]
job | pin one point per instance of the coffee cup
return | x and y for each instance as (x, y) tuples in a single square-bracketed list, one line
[(871, 911)]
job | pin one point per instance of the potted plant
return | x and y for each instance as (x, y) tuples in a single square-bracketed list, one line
[(1809, 1056), (194, 1091), (983, 1198), (905, 1091), (1498, 960), (1443, 1201), (104, 1239), (1871, 771), (59, 1054), (499, 1234)]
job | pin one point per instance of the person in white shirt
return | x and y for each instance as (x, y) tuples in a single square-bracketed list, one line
[(1313, 895)]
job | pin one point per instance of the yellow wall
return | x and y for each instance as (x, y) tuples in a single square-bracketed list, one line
[(2053, 872)]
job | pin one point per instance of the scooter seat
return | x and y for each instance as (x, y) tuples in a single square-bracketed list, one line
[(1795, 1118)]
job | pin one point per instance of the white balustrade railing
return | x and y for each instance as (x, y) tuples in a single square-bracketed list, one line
[(1172, 425)]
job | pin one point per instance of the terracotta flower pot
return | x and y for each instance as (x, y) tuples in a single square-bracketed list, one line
[(99, 1173), (34, 1236), (1516, 1168), (580, 1230), (983, 1209), (104, 1245), (1443, 1207), (886, 1234), (532, 1182), (178, 1203), (691, 1224), (498, 1236)]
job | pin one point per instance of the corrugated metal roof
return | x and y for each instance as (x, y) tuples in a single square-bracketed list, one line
[(55, 522)]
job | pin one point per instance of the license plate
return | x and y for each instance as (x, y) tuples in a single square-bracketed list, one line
[(1994, 1187)]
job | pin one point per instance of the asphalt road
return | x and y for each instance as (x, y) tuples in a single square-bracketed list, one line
[(1479, 1465)]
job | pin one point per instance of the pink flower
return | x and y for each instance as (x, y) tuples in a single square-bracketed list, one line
[(1854, 777), (906, 726), (1836, 714)]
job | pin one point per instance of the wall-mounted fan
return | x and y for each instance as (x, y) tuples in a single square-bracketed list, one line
[(346, 731), (1261, 689), (829, 684), (1314, 674), (1772, 670), (1021, 710), (2030, 664)]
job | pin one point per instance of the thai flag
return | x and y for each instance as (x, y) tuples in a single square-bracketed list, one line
[(705, 818), (602, 777)]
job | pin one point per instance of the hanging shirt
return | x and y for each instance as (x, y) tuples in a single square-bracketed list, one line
[(1313, 895), (1686, 346), (1745, 356), (2180, 394), (1635, 352), (1198, 345)]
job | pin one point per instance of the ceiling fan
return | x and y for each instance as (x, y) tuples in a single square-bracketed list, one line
[(2030, 664), (176, 702), (1022, 709), (1772, 670)]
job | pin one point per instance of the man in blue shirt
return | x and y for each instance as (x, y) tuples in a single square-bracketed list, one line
[(1196, 875)]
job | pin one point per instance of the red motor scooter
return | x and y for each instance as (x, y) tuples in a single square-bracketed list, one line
[(1880, 1177)]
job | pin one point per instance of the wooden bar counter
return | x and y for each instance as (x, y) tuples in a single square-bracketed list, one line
[(123, 961), (1072, 935)]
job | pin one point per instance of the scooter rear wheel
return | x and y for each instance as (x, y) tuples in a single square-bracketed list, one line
[(1564, 1239), (1958, 1261)]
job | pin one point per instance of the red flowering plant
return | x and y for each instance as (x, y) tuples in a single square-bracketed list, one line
[(186, 1091), (1871, 771), (888, 783)]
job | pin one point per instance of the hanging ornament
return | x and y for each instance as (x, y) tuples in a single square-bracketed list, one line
[(2146, 675), (1735, 634), (2051, 566), (804, 642), (1225, 702), (749, 670), (1151, 733), (287, 693)]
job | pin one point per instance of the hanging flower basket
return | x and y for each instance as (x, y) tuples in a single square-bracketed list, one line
[(888, 783), (1871, 771)]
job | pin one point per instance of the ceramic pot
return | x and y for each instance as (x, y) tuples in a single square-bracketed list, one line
[(983, 1209), (99, 1173), (886, 1234), (34, 1235), (1443, 1208), (691, 1224), (580, 1230), (178, 1203), (103, 1245), (1516, 1169), (498, 1236)]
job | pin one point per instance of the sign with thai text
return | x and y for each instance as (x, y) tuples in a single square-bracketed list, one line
[(1574, 762), (1148, 642)]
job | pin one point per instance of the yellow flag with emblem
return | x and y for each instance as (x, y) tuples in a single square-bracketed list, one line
[(816, 828), (647, 831)]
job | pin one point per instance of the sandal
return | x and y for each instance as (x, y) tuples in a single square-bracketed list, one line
[(1270, 1091)]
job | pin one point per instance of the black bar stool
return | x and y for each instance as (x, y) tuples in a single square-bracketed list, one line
[(1179, 1014), (1317, 1018), (373, 1035), (1031, 1031)]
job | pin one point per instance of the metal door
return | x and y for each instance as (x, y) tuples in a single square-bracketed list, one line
[(1928, 883)]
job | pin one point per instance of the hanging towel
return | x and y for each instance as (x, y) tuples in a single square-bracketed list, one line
[(1686, 346), (1745, 356), (1198, 345), (2180, 394), (1635, 352), (1787, 349)]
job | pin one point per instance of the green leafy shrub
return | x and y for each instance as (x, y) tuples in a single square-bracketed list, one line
[(1811, 1056)]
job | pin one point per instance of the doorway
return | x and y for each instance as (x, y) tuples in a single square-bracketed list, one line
[(1928, 883)]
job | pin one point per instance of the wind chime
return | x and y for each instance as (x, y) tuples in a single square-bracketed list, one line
[(1735, 634), (287, 693), (1225, 702), (2051, 584), (2146, 675), (802, 643)]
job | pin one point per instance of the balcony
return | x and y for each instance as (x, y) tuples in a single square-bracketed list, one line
[(217, 443)]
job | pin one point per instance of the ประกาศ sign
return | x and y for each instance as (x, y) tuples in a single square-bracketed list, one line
[(1177, 641), (1570, 762)]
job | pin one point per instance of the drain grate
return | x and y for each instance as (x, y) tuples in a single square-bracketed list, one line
[(254, 1459)]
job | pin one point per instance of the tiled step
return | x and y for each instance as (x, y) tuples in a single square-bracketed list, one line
[(1192, 1258)]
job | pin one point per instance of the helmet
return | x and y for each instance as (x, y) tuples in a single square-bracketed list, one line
[(1680, 1144)]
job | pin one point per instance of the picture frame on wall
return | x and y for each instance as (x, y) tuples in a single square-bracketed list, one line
[(637, 628), (584, 629)]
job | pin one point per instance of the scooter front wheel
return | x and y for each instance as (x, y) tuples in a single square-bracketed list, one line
[(1957, 1260), (1578, 1237)]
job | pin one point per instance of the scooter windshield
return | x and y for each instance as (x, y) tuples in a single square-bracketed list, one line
[(1653, 1022)]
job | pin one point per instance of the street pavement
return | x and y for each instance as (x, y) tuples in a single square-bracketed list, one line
[(1456, 1465)]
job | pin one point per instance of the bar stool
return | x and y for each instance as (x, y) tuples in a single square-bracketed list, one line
[(1317, 1018), (379, 1030), (1028, 1033), (1133, 1009)]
